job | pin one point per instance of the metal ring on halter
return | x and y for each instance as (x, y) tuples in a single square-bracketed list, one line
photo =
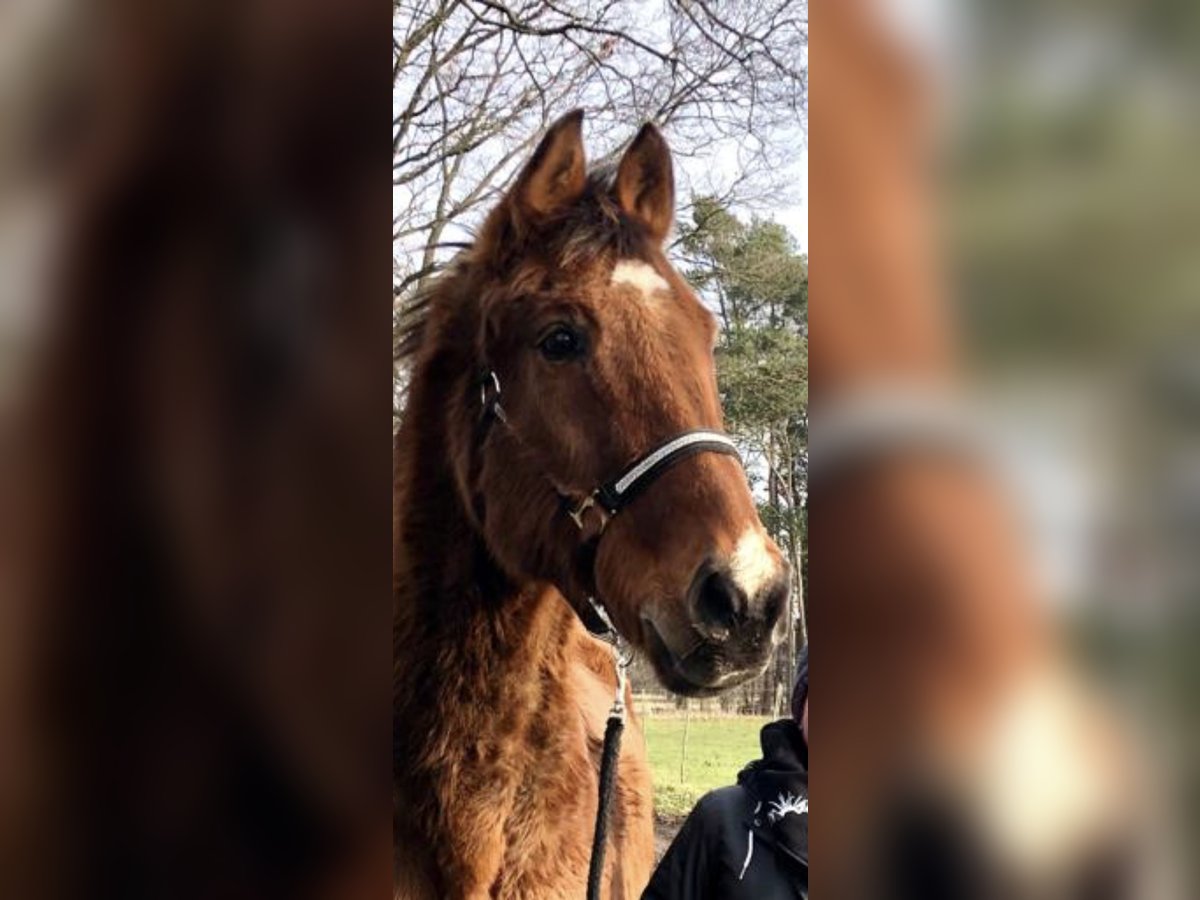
[(492, 406), (589, 502)]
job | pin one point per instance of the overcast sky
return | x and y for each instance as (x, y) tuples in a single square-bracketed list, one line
[(795, 216)]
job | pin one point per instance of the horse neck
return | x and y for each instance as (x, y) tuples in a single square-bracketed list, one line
[(456, 611)]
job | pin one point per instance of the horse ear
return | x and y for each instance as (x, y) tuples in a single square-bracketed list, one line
[(646, 183), (556, 174)]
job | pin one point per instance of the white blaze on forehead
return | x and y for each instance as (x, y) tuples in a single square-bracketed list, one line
[(640, 275), (752, 566)]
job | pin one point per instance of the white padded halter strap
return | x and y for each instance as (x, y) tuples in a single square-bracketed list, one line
[(670, 449)]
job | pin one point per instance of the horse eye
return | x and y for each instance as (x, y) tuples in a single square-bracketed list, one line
[(561, 344)]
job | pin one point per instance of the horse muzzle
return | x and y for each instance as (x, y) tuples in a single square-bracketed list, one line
[(728, 636)]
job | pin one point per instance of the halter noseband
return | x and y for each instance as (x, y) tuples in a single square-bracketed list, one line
[(614, 495)]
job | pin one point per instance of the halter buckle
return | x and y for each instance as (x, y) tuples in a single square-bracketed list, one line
[(589, 502), (622, 657), (621, 660)]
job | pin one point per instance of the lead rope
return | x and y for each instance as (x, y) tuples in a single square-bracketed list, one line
[(608, 759)]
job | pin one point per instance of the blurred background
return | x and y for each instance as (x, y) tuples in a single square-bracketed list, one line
[(1072, 227), (1060, 143)]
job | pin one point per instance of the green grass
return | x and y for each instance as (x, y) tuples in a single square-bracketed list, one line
[(717, 749)]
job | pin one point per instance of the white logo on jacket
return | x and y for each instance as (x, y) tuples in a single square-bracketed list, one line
[(787, 803), (780, 807)]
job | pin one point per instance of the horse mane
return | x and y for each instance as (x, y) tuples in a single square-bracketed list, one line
[(413, 319), (592, 227)]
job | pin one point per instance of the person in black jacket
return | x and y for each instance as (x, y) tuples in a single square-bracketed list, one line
[(749, 840)]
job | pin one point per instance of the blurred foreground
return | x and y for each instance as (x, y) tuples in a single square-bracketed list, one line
[(194, 450), (1005, 430)]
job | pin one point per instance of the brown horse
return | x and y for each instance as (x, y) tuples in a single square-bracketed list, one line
[(560, 348)]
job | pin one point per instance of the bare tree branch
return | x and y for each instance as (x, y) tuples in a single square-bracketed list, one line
[(476, 81)]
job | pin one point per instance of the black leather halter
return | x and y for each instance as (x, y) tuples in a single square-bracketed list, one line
[(615, 494)]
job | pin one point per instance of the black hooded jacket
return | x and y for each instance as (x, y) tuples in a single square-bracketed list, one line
[(747, 841)]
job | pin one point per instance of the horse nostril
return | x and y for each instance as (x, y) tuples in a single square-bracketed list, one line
[(774, 601), (719, 603)]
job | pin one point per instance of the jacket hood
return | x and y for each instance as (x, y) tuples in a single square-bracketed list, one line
[(779, 785)]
